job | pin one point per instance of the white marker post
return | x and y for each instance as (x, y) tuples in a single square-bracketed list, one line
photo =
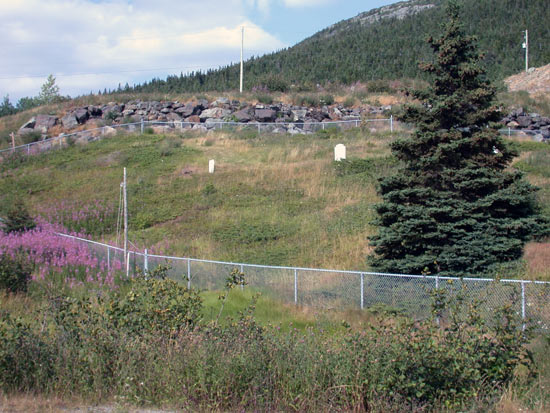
[(211, 166), (339, 152)]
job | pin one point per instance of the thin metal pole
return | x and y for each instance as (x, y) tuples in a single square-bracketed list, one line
[(391, 123), (242, 47), (295, 286), (188, 273), (437, 288), (126, 225), (362, 291), (108, 258), (142, 126), (145, 262), (523, 303)]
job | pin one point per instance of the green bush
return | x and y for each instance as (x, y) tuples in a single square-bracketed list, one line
[(26, 362), (274, 83), (154, 306), (326, 100), (18, 218), (371, 167), (31, 137), (15, 273), (264, 98)]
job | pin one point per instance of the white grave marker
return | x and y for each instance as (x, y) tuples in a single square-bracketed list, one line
[(339, 152), (211, 165)]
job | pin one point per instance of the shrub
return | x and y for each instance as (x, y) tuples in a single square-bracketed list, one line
[(274, 83), (31, 137), (15, 272), (25, 359), (264, 98), (18, 218), (326, 100), (159, 306)]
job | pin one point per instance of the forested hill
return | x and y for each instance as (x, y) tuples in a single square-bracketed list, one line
[(386, 43)]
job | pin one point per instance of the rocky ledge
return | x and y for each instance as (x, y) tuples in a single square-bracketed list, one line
[(201, 112)]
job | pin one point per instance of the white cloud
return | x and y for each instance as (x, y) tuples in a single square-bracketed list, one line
[(306, 3), (68, 37)]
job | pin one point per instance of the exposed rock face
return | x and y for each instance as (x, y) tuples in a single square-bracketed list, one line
[(69, 121)]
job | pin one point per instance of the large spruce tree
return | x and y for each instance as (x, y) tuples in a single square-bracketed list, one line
[(454, 207)]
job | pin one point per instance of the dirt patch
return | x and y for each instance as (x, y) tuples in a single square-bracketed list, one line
[(110, 159), (536, 81), (187, 171)]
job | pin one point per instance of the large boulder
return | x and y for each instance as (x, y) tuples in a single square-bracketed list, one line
[(265, 115), (298, 114), (82, 115), (45, 122), (189, 109), (193, 119), (243, 115), (218, 113), (95, 111), (524, 121), (29, 124), (69, 121)]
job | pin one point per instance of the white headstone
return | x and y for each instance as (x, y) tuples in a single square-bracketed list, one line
[(339, 152), (211, 165)]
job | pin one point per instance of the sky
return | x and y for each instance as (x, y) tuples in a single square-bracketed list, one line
[(90, 45)]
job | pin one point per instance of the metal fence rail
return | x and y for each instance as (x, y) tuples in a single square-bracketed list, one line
[(62, 140), (339, 289), (175, 126)]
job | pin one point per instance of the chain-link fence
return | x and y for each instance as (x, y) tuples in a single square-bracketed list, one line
[(342, 290), (305, 127), (88, 135)]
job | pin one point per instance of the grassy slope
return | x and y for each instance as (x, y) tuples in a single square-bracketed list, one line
[(273, 199)]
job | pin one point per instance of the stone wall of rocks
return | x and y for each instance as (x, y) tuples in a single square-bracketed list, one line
[(199, 112), (205, 115), (530, 123)]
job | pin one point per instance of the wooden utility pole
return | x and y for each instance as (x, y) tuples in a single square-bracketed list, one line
[(526, 47), (126, 255), (242, 47)]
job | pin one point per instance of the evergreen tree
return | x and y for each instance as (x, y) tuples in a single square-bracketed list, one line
[(453, 207), (18, 218), (49, 92)]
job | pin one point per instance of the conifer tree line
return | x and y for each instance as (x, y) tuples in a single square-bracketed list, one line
[(387, 49), (454, 207)]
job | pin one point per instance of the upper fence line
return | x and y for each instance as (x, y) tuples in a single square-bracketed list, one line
[(292, 128)]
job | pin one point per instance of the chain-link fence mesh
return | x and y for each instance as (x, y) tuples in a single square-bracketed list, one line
[(341, 290)]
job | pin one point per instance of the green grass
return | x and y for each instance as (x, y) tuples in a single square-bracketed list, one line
[(274, 199)]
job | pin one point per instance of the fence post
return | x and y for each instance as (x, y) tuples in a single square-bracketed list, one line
[(509, 132), (362, 291), (356, 123), (523, 304), (142, 126), (242, 272), (259, 127), (145, 262), (28, 149), (188, 273), (391, 123), (295, 286), (108, 258), (437, 288)]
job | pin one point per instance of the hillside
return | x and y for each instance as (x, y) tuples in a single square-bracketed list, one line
[(272, 200), (536, 82), (384, 43)]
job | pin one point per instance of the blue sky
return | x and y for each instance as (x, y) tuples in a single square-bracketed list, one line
[(89, 45)]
